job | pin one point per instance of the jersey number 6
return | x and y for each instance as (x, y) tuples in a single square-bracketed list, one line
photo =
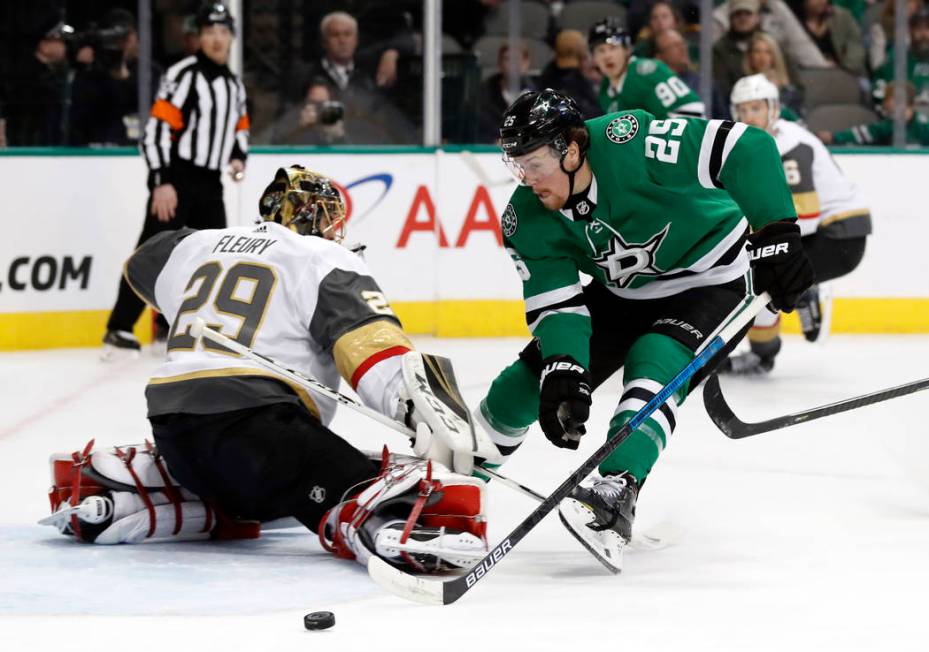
[(244, 294)]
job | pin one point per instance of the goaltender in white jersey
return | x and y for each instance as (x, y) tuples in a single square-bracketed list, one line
[(231, 278), (246, 444)]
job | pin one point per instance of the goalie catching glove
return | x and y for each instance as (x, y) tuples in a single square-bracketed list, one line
[(780, 266), (415, 514), (431, 404)]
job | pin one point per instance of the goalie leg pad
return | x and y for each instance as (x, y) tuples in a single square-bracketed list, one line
[(415, 514), (123, 494)]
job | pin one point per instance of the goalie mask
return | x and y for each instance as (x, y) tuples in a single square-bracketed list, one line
[(755, 100), (305, 202)]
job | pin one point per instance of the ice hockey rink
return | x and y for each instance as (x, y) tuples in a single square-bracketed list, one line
[(810, 538)]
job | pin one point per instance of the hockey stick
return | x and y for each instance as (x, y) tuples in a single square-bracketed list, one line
[(448, 591), (734, 428)]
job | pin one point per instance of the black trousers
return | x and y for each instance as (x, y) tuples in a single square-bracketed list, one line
[(261, 463), (199, 206), (831, 257), (688, 317)]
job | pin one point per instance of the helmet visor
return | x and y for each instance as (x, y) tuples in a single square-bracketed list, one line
[(531, 168)]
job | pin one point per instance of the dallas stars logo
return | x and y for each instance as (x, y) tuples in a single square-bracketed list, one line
[(622, 129), (622, 261)]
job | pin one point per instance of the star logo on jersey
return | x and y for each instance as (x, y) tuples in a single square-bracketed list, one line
[(622, 129), (622, 261), (583, 208)]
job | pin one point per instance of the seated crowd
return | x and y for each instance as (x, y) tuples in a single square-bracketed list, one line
[(353, 73)]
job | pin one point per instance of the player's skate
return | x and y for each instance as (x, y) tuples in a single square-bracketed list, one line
[(600, 516), (746, 364), (118, 345)]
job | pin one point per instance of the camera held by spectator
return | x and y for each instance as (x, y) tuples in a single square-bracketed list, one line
[(102, 48)]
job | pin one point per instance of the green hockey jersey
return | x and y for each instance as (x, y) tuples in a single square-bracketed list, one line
[(917, 73), (649, 84), (882, 133), (668, 210)]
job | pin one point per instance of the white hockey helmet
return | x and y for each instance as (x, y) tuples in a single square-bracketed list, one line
[(756, 87)]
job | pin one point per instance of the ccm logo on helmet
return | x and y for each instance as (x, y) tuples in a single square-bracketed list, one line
[(769, 251)]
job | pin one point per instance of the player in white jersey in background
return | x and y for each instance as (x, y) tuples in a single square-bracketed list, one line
[(834, 219), (253, 445)]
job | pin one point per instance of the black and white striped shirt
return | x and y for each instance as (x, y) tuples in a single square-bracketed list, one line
[(199, 117)]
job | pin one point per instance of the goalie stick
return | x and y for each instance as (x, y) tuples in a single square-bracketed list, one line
[(734, 428), (200, 329), (448, 591)]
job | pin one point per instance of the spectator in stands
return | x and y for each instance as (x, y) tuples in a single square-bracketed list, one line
[(35, 91), (917, 63), (495, 95), (671, 48), (320, 120), (882, 131), (835, 33), (881, 32), (358, 83), (779, 21), (564, 72), (338, 64), (764, 56), (104, 92), (662, 16), (730, 50)]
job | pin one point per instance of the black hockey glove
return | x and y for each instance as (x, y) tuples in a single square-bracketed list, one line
[(564, 400), (779, 265)]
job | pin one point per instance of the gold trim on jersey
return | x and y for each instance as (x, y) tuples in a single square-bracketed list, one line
[(761, 334), (806, 204), (227, 372), (359, 344), (857, 212)]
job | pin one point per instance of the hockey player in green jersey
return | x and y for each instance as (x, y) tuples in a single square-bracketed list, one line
[(636, 83), (657, 213)]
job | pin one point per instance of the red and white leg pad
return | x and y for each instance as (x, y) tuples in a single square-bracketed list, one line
[(125, 494), (415, 514)]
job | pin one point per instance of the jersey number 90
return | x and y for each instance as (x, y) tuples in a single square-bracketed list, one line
[(669, 92)]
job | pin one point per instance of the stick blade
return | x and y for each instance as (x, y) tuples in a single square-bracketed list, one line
[(410, 587), (719, 411)]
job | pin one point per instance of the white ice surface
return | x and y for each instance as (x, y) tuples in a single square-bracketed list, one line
[(813, 538)]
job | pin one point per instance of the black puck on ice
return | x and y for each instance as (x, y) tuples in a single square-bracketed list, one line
[(319, 620)]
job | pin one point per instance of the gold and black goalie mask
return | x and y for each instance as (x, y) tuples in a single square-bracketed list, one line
[(305, 202)]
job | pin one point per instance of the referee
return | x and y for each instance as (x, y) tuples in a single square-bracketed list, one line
[(198, 126)]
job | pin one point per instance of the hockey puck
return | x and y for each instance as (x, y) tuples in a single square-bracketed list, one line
[(319, 620)]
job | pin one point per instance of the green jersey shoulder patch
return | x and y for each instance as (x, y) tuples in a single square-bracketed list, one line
[(509, 223), (622, 129), (645, 66)]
